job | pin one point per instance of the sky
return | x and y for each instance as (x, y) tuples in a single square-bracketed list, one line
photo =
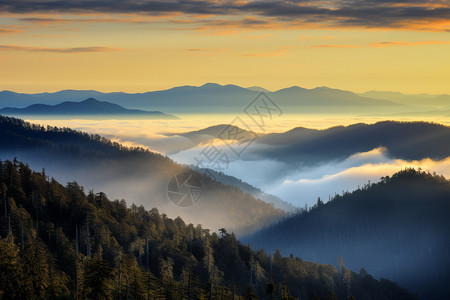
[(137, 46)]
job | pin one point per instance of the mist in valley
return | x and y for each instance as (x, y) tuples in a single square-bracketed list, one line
[(299, 183)]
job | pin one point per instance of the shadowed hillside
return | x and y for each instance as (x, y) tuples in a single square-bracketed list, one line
[(132, 173), (398, 229), (407, 140)]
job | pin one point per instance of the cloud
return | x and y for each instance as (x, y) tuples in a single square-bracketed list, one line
[(82, 19), (326, 180), (58, 50), (433, 15), (41, 20), (296, 185), (315, 37), (47, 35), (303, 185), (386, 44), (8, 30), (246, 23), (403, 43)]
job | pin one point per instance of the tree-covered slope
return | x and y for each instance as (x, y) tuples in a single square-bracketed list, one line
[(136, 174), (397, 229), (406, 140), (57, 242)]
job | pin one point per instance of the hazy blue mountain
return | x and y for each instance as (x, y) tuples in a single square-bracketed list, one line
[(89, 106), (214, 98), (397, 229), (21, 100), (217, 132), (326, 97), (410, 99), (258, 89), (407, 140)]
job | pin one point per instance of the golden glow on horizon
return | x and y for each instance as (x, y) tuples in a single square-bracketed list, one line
[(133, 53)]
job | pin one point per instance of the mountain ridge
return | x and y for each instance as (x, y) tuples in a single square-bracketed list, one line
[(390, 228), (407, 140), (213, 97), (90, 106)]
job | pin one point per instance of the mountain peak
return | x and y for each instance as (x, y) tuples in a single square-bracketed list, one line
[(91, 100), (293, 88), (211, 85), (258, 89)]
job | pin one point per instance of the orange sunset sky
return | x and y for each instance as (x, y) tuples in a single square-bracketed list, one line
[(137, 46)]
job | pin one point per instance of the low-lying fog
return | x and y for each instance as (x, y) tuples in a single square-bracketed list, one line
[(299, 185)]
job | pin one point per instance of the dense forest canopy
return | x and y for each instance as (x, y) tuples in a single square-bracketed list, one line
[(398, 228), (59, 242)]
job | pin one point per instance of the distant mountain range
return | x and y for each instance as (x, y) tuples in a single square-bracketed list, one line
[(212, 97), (397, 229), (411, 99), (89, 107)]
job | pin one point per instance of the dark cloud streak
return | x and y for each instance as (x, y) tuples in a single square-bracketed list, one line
[(417, 14), (58, 50)]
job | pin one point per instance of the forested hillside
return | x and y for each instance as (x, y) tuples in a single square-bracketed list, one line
[(57, 242), (139, 175), (406, 140), (397, 229)]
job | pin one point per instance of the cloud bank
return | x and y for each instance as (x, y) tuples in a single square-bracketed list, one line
[(324, 181), (298, 186)]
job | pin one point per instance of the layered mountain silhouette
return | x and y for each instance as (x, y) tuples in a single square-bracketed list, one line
[(89, 106), (215, 98), (413, 99), (407, 140), (397, 229), (305, 146)]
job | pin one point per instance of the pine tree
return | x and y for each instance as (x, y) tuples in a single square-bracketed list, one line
[(11, 271), (98, 278)]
